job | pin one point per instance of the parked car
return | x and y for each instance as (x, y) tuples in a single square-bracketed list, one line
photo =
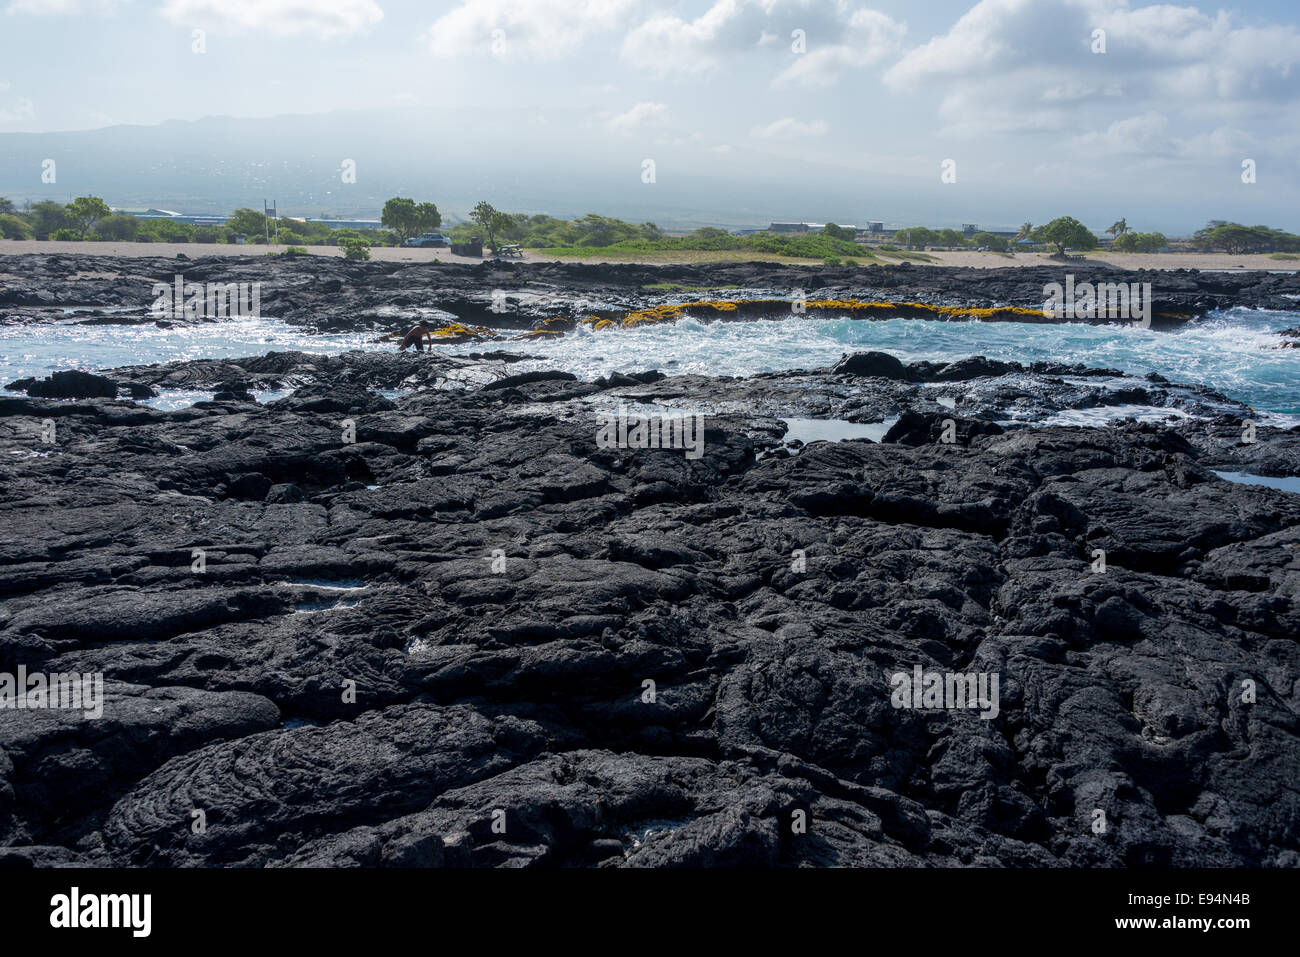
[(427, 239)]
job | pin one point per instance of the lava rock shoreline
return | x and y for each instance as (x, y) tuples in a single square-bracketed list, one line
[(632, 658), (325, 294)]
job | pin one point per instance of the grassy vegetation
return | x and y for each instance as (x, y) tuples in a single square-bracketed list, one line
[(1283, 256)]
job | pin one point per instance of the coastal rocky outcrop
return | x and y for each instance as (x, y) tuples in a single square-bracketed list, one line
[(445, 627), (326, 294)]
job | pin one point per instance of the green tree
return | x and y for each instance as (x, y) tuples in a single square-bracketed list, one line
[(399, 215), (1066, 231), (6, 207), (427, 217), (839, 232), (1119, 228), (11, 227), (917, 236), (1131, 242), (118, 227), (1236, 238), (1153, 242), (85, 211), (493, 221), (408, 219), (46, 217), (998, 244), (1026, 231), (248, 222)]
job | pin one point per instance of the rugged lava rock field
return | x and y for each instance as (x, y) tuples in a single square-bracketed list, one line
[(391, 644)]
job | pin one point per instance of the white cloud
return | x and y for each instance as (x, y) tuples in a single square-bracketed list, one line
[(837, 38), (1222, 142), (1040, 51), (868, 37), (1026, 65), (21, 109), (790, 127), (326, 19), (665, 43), (536, 29), (1146, 133), (58, 7), (640, 115), (657, 38)]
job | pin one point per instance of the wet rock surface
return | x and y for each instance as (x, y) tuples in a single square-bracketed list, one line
[(331, 295), (445, 628)]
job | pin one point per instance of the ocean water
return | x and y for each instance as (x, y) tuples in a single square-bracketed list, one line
[(1234, 351)]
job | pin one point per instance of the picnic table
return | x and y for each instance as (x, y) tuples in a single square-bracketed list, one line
[(511, 250)]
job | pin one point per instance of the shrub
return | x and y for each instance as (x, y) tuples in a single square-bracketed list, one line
[(831, 261), (850, 262), (355, 248), (167, 231), (65, 235), (346, 235)]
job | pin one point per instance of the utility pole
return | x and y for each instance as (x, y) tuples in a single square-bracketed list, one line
[(268, 212)]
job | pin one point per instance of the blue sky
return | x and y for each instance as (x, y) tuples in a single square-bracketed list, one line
[(880, 91)]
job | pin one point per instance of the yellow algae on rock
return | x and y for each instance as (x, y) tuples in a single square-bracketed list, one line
[(671, 312), (458, 332), (554, 324)]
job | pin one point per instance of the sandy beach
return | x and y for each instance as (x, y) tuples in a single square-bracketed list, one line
[(397, 254)]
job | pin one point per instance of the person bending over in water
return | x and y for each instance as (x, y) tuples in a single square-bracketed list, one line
[(416, 338)]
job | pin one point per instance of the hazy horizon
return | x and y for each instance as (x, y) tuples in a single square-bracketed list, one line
[(752, 111)]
